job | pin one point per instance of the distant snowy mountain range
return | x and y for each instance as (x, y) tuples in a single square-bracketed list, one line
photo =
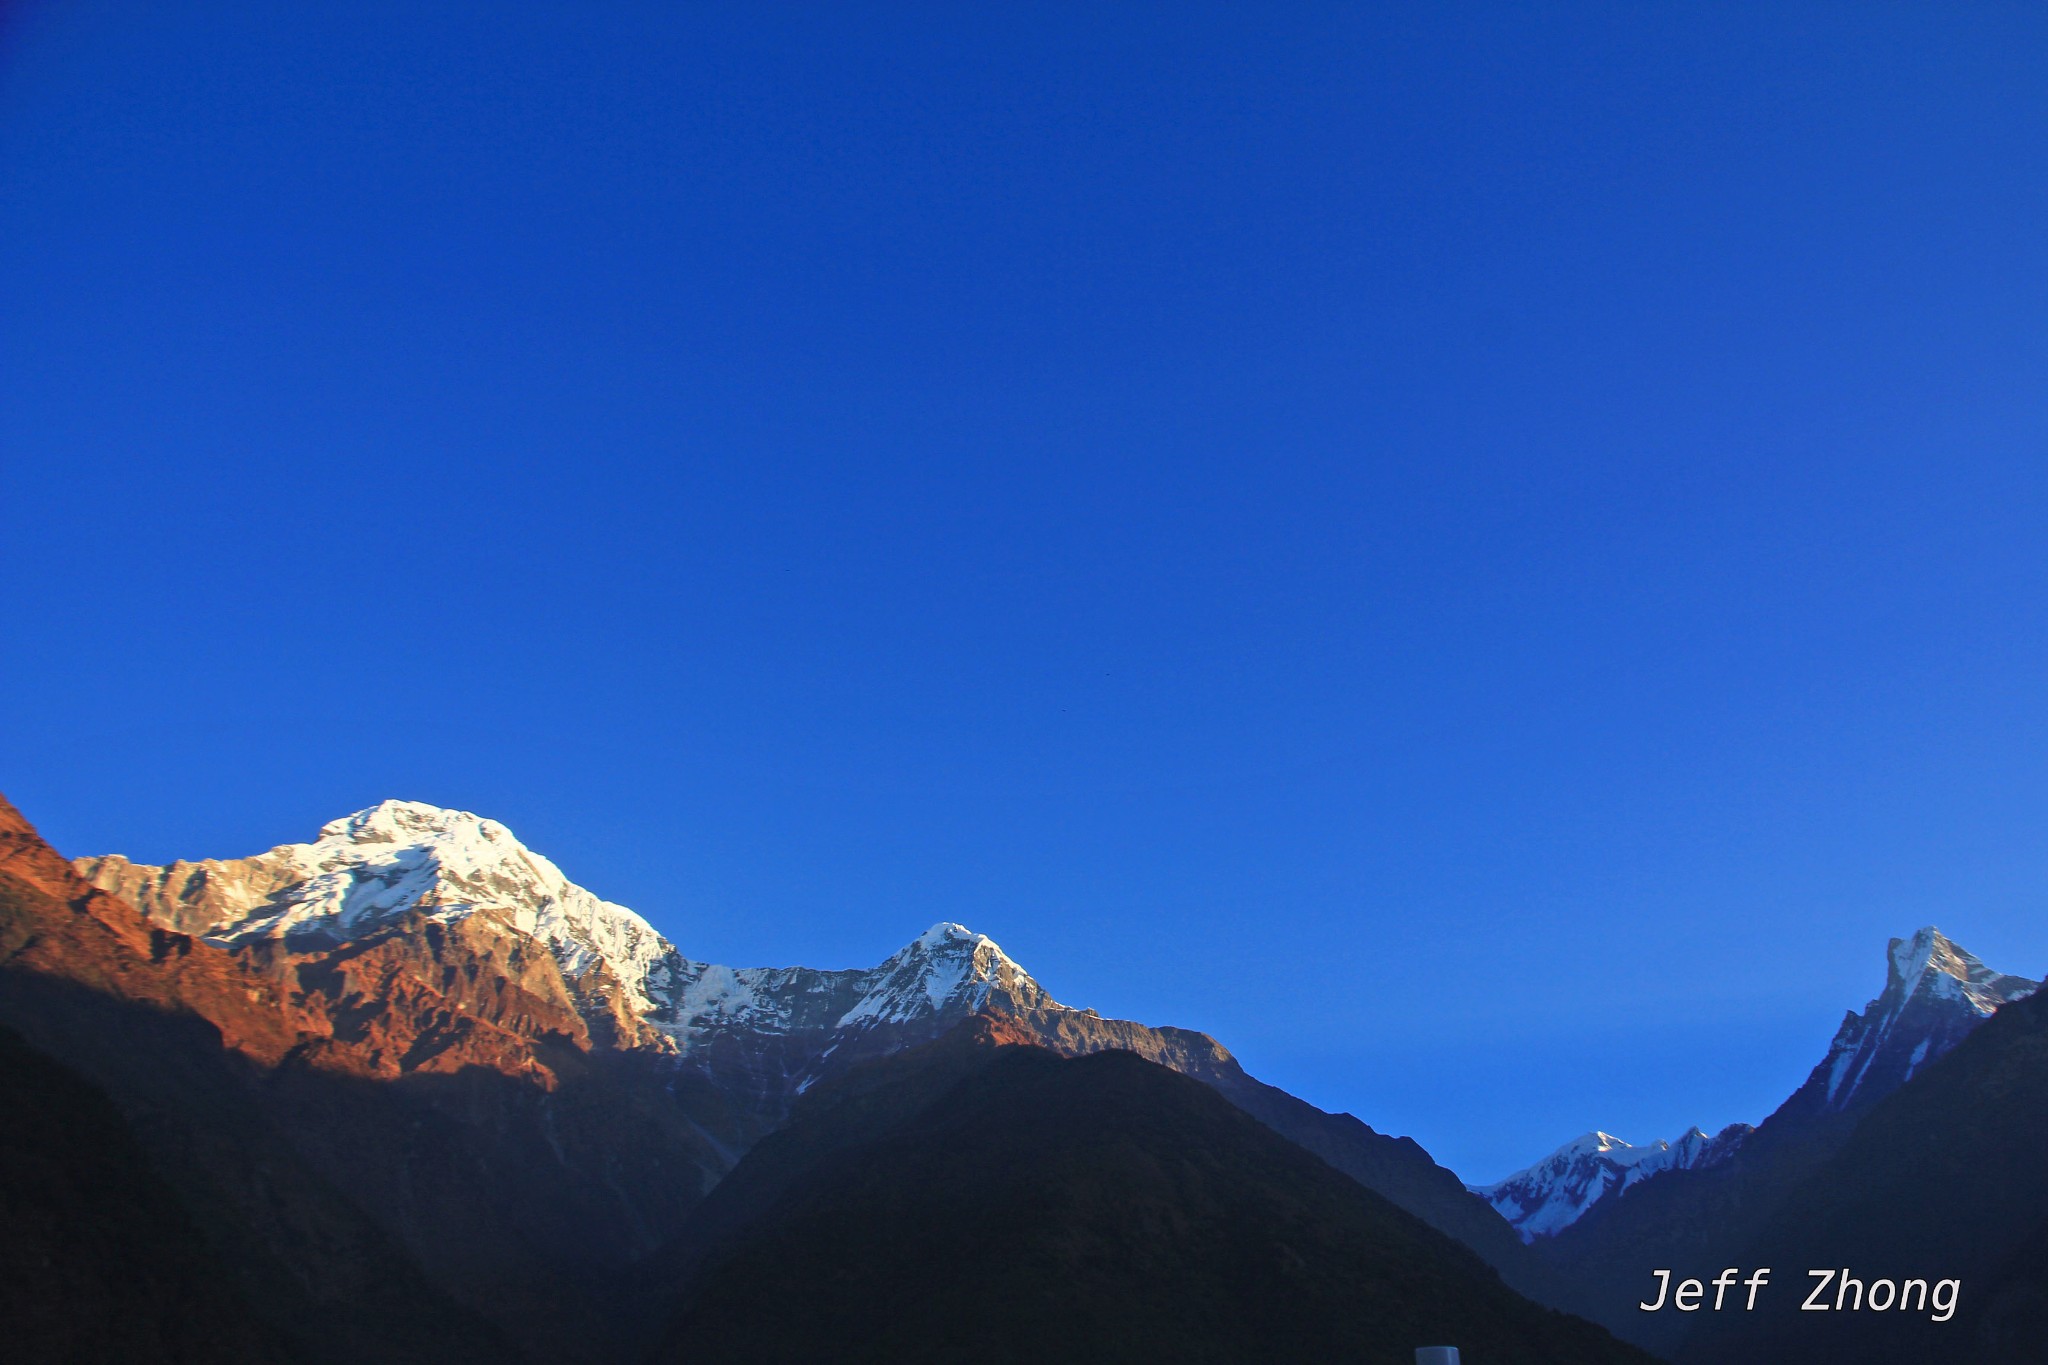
[(1558, 1190), (1935, 994)]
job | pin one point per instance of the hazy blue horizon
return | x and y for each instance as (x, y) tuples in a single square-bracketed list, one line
[(1489, 559)]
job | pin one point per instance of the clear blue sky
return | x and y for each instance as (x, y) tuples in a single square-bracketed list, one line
[(1487, 556)]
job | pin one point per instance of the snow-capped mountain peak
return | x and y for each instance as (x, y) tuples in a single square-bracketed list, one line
[(368, 869), (947, 968), (1606, 1144), (394, 822), (1560, 1189), (947, 972), (1930, 961), (1935, 993)]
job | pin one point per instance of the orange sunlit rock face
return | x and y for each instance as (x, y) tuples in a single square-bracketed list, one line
[(427, 997)]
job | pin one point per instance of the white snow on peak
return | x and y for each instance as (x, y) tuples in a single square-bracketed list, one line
[(398, 856), (948, 967), (1597, 1141), (1934, 993), (1931, 962), (369, 869), (394, 822), (943, 933), (1557, 1191), (947, 971)]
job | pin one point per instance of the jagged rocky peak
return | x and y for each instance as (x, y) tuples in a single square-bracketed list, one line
[(947, 969), (1933, 963), (1557, 1191), (1935, 993)]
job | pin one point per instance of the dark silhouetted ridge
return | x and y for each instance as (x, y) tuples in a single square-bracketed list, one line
[(993, 1202)]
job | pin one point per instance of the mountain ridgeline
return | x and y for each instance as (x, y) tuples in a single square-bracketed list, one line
[(406, 1093), (985, 1200), (412, 1094)]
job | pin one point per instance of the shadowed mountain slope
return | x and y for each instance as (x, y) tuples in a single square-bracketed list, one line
[(1698, 1222), (983, 1200), (98, 1258), (1942, 1179), (420, 941)]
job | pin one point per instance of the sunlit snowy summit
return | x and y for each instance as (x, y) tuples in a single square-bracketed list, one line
[(372, 871)]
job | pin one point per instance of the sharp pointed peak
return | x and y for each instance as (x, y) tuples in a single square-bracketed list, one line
[(1923, 945), (1932, 962)]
